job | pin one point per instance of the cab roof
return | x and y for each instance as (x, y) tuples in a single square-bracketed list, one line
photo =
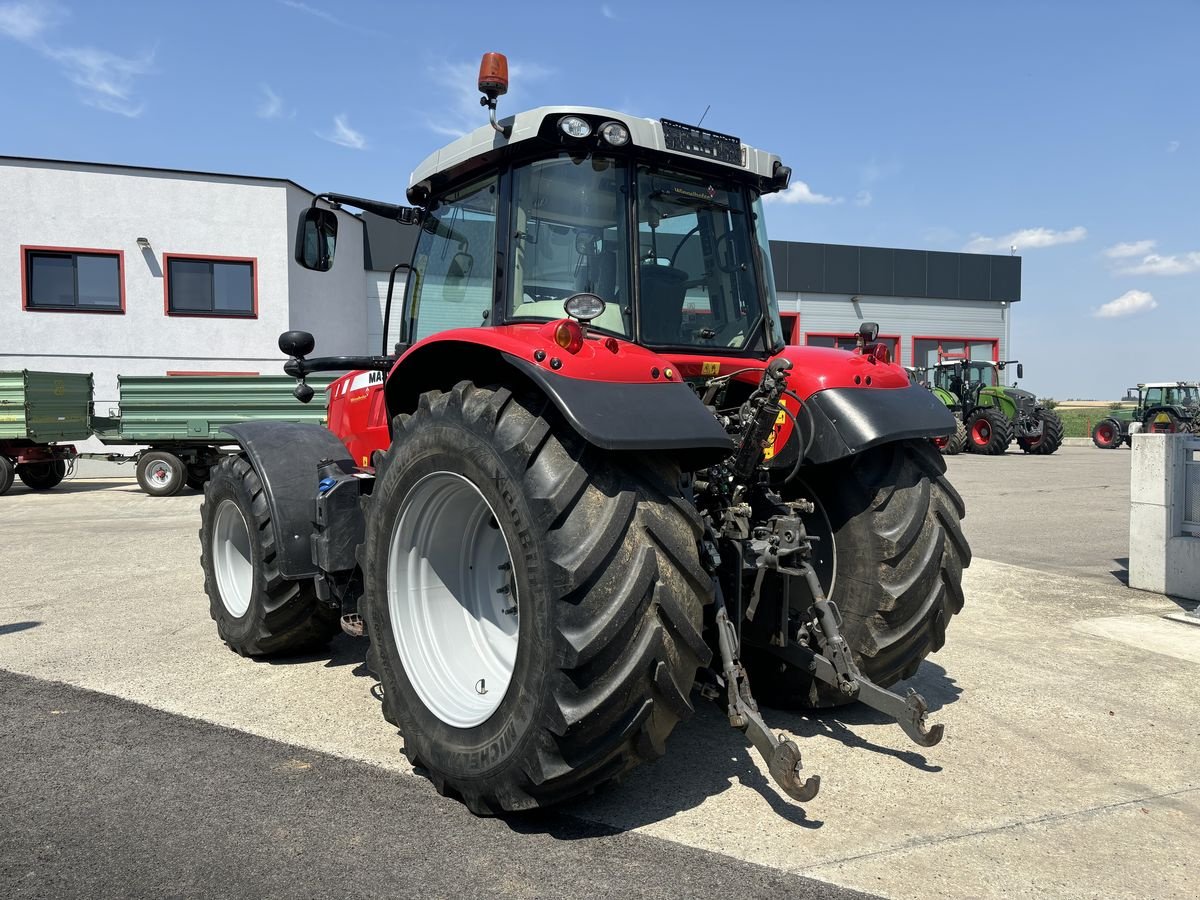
[(526, 126)]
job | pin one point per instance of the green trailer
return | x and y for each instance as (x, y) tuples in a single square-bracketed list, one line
[(179, 422), (40, 413)]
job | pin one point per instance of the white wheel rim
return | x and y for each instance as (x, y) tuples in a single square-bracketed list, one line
[(160, 473), (452, 599), (233, 560)]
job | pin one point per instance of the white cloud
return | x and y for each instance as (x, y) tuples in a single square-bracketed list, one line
[(1154, 264), (1127, 304), (312, 11), (1126, 249), (799, 192), (271, 106), (1025, 239), (863, 198), (106, 80), (1172, 146), (607, 11), (343, 135), (26, 21), (461, 113)]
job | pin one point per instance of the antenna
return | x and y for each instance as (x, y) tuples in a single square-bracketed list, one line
[(706, 109)]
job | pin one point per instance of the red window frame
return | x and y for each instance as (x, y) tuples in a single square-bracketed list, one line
[(841, 335), (26, 249), (166, 266), (791, 327), (995, 342)]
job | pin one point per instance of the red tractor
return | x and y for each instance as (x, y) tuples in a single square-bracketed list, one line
[(591, 475)]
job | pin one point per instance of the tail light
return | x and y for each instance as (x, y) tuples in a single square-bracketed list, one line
[(568, 335), (879, 352)]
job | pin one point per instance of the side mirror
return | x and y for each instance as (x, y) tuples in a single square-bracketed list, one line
[(868, 331), (1020, 370), (297, 343), (316, 239)]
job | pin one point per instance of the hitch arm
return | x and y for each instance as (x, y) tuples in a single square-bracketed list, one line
[(782, 755)]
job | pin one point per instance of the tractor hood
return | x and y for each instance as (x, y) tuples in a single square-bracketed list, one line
[(1020, 397)]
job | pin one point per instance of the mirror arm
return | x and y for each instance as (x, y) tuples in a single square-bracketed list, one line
[(299, 368), (407, 215)]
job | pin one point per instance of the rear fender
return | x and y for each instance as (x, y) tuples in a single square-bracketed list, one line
[(618, 400), (286, 457)]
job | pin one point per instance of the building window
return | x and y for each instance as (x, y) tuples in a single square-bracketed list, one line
[(210, 286), (70, 280), (929, 351), (850, 341)]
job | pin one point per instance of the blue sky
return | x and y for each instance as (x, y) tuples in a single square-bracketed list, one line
[(1071, 129)]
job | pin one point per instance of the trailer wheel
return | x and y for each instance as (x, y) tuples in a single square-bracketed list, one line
[(257, 611), (6, 475), (1049, 440), (988, 431), (161, 474), (42, 476), (891, 555), (1107, 434), (534, 603)]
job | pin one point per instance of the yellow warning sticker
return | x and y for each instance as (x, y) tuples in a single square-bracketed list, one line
[(710, 368), (1162, 419)]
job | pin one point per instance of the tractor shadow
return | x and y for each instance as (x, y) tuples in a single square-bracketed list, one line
[(342, 650), (705, 758)]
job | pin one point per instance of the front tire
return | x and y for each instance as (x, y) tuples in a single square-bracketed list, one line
[(42, 476), (604, 577), (894, 523), (257, 611), (988, 431), (1049, 440), (1107, 434), (954, 444)]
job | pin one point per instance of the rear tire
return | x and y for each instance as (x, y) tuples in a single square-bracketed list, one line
[(955, 443), (6, 475), (988, 431), (42, 476), (161, 474), (257, 611), (1107, 434), (1049, 440), (608, 592), (898, 558)]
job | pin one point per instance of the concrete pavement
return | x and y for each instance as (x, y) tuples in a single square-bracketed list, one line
[(1072, 722)]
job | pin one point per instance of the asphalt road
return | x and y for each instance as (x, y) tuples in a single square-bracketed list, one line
[(1068, 767), (107, 798)]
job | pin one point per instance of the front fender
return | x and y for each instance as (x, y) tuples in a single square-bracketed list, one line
[(285, 456), (845, 421)]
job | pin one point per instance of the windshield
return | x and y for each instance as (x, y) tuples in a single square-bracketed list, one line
[(697, 275), (1183, 396), (569, 237), (955, 378)]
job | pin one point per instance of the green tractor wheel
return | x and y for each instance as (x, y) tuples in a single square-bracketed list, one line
[(1107, 434), (955, 443), (1049, 440), (988, 431)]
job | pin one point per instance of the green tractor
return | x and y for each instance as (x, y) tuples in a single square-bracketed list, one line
[(989, 413), (1163, 407)]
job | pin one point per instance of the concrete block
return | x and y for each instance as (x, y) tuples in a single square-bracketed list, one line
[(1149, 530), (1151, 469)]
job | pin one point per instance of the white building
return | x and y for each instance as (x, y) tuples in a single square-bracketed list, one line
[(119, 269), (122, 269)]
